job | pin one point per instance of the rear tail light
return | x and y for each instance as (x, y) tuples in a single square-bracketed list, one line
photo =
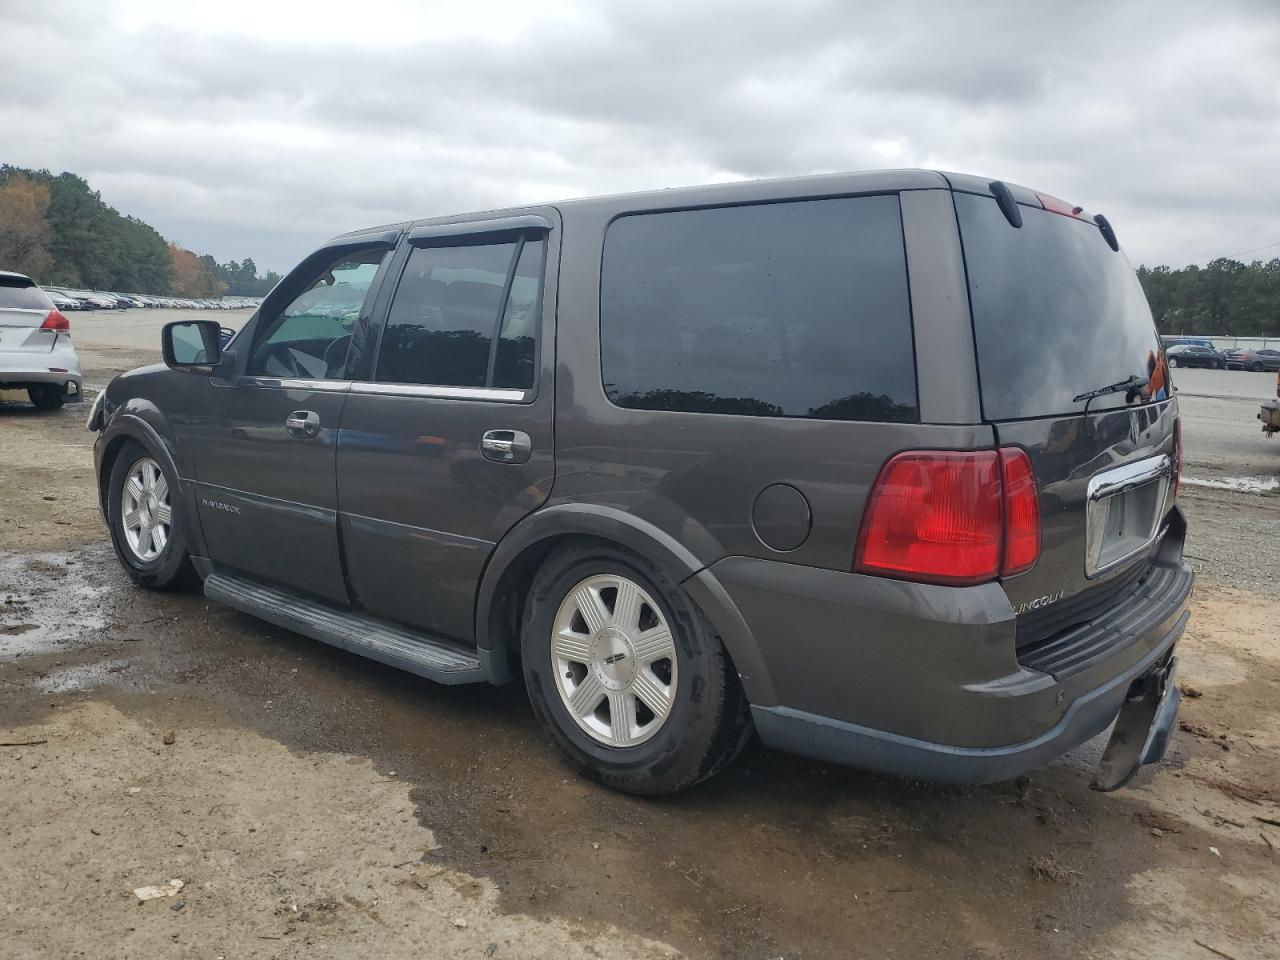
[(1177, 455), (56, 321), (951, 518), (1021, 512)]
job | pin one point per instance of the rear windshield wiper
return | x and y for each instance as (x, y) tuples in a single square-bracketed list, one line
[(1130, 388)]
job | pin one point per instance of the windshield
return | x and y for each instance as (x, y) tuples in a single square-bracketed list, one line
[(1056, 313)]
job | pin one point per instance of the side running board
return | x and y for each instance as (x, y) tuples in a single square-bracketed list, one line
[(359, 633)]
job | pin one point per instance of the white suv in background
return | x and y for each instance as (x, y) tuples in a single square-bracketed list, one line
[(36, 354)]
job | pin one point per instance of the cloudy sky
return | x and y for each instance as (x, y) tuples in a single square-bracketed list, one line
[(241, 128)]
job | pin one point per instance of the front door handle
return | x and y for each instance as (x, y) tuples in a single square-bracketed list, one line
[(303, 423), (506, 446)]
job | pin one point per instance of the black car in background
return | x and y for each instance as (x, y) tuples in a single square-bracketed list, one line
[(1191, 355), (1256, 360)]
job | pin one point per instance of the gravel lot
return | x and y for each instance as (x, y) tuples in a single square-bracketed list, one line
[(315, 804)]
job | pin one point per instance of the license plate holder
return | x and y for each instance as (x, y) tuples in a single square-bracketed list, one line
[(1125, 506)]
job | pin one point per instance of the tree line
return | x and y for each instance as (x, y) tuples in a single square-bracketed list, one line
[(58, 230), (1224, 298)]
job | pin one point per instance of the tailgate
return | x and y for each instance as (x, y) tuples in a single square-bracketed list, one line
[(20, 330), (1106, 485), (1071, 370)]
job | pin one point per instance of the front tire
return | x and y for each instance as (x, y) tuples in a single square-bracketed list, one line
[(47, 396), (625, 673), (144, 514)]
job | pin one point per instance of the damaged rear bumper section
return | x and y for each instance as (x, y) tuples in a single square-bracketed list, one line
[(837, 741), (924, 682)]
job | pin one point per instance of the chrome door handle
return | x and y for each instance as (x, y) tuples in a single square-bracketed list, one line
[(506, 446), (303, 423)]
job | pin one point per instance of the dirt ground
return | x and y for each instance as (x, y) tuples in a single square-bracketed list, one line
[(314, 804)]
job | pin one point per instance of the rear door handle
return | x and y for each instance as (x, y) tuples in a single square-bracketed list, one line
[(303, 423), (506, 446)]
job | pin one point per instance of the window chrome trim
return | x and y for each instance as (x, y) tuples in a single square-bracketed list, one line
[(494, 394), (293, 383)]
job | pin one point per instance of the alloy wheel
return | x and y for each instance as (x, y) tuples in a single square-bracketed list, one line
[(145, 512), (614, 660)]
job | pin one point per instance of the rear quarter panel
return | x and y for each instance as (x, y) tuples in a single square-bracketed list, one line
[(696, 476)]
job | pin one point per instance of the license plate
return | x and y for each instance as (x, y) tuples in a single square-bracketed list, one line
[(1124, 511)]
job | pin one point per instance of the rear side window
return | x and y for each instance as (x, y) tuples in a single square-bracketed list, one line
[(779, 310), (22, 295), (465, 316), (1056, 313)]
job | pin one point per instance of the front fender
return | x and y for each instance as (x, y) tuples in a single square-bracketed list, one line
[(533, 534), (141, 420)]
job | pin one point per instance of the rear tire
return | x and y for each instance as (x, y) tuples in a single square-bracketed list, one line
[(1173, 361), (153, 561), (1256, 368), (702, 720), (47, 396)]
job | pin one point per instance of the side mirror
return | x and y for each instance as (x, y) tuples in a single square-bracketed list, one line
[(192, 346)]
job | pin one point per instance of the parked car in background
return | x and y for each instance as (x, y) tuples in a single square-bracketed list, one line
[(63, 301), (1192, 355), (1195, 341), (1256, 360), (87, 300), (36, 354), (870, 529)]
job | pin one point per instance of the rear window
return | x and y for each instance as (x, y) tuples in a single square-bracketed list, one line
[(782, 310), (22, 295), (1056, 313)]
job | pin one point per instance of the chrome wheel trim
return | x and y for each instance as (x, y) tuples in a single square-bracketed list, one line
[(614, 660), (146, 515)]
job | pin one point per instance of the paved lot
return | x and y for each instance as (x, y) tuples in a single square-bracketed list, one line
[(1231, 384), (1219, 420), (319, 805), (140, 329)]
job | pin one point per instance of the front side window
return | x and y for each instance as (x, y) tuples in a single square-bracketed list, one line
[(309, 339), (465, 316), (781, 310)]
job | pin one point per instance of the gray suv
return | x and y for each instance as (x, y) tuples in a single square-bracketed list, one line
[(881, 467)]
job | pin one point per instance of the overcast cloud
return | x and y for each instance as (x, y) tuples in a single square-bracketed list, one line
[(248, 129)]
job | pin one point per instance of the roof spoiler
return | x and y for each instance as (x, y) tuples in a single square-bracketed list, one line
[(1008, 205), (1108, 232)]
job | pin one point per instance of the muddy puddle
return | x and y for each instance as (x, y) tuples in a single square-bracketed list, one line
[(49, 601)]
